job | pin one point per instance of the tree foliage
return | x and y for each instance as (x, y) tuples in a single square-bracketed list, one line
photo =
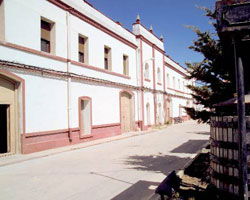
[(213, 75)]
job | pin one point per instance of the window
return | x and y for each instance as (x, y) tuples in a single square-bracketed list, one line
[(2, 24), (146, 73), (179, 84), (83, 49), (125, 65), (159, 75), (107, 58), (168, 81), (174, 82), (47, 36)]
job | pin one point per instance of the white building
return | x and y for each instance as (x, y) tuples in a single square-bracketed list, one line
[(69, 74)]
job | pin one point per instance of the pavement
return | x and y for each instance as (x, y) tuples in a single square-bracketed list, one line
[(126, 167)]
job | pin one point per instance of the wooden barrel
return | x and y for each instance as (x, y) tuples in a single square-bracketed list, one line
[(224, 154)]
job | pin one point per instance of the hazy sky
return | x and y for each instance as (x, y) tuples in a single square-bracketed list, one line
[(168, 17)]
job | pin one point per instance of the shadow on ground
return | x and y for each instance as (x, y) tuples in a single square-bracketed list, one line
[(138, 191), (159, 164), (191, 146), (200, 133)]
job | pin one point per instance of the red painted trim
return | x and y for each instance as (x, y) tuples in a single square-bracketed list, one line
[(173, 68), (99, 69), (155, 106), (150, 43), (150, 32), (142, 66), (164, 73), (28, 68), (147, 80), (178, 91), (80, 116), (91, 22), (57, 138), (143, 118), (142, 93), (58, 58), (18, 79), (33, 51), (105, 125), (52, 132), (176, 62), (153, 55), (108, 17)]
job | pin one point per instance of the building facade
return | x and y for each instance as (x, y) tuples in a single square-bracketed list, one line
[(69, 74)]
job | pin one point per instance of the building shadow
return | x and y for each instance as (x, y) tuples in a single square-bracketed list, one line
[(191, 146), (138, 191), (159, 164), (200, 133)]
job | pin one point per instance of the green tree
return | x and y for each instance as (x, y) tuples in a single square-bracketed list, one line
[(213, 75)]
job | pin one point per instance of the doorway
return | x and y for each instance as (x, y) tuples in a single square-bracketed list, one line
[(9, 140), (85, 116), (126, 100), (4, 129), (148, 114)]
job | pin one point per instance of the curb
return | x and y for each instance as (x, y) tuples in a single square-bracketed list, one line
[(9, 160)]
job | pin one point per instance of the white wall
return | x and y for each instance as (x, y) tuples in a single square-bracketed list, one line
[(23, 23), (45, 103), (159, 64), (23, 28), (138, 29), (147, 57), (46, 98), (105, 102)]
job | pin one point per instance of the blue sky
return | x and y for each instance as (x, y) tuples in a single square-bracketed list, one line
[(168, 17)]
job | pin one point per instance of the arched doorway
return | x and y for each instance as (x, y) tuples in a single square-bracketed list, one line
[(85, 115), (168, 110), (159, 114), (127, 111), (148, 114), (9, 126)]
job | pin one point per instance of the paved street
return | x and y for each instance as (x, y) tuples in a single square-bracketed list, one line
[(115, 170)]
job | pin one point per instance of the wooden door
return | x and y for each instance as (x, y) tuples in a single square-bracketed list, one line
[(7, 116), (85, 117), (126, 112)]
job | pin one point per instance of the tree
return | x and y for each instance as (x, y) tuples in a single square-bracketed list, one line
[(214, 81)]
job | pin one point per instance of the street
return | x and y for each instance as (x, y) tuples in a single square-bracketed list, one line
[(114, 170)]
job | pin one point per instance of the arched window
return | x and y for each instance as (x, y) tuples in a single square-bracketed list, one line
[(168, 81), (174, 82), (159, 75), (146, 72)]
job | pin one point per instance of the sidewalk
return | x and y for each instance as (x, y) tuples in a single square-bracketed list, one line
[(128, 168), (12, 159)]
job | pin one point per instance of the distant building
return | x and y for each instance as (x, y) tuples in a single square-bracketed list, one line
[(69, 74)]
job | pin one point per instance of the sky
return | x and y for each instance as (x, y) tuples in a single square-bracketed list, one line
[(168, 18)]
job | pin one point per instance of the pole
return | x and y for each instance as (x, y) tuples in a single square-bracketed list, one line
[(243, 185)]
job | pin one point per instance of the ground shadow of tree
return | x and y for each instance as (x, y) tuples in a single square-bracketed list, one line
[(159, 164)]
